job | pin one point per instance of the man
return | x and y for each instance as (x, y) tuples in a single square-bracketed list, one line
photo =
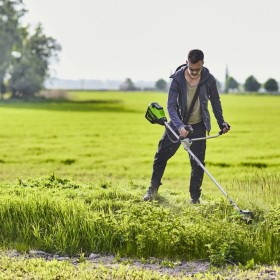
[(186, 117)]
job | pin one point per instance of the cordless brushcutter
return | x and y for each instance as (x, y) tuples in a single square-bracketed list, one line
[(155, 115)]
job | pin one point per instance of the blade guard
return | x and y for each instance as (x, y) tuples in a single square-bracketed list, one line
[(155, 114), (247, 216)]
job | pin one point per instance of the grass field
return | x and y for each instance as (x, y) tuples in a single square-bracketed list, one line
[(104, 136), (73, 174)]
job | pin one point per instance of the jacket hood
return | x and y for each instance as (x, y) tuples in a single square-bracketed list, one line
[(180, 70)]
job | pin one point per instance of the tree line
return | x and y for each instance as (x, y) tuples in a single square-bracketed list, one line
[(129, 85), (25, 55), (251, 85)]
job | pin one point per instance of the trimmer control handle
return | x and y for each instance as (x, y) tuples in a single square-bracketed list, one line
[(221, 131), (189, 128)]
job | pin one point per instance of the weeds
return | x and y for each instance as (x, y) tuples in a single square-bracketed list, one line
[(59, 216)]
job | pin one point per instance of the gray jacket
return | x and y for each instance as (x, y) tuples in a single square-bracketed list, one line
[(177, 98)]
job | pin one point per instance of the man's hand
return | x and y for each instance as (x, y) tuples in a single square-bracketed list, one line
[(226, 127), (183, 132)]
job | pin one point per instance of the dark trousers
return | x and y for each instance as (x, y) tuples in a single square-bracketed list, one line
[(167, 148)]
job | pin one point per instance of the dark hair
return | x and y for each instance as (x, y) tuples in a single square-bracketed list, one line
[(195, 55)]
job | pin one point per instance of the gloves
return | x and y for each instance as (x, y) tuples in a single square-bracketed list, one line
[(225, 127)]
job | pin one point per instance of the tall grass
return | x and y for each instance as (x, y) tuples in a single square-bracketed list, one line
[(59, 216)]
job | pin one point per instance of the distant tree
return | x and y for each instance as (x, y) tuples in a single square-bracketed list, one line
[(231, 84), (10, 33), (30, 68), (251, 84), (128, 85), (271, 85), (161, 85)]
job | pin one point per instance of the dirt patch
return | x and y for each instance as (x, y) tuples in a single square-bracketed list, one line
[(163, 267), (172, 268)]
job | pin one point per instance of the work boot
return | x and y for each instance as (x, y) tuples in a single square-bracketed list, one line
[(151, 192), (195, 201)]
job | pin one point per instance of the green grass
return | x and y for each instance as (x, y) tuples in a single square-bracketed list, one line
[(99, 149), (107, 136), (60, 216), (40, 269)]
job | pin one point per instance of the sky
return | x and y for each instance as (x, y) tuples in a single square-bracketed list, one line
[(148, 39)]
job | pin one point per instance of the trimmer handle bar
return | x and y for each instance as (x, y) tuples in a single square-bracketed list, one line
[(192, 139)]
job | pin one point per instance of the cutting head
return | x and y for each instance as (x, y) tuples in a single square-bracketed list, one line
[(247, 216)]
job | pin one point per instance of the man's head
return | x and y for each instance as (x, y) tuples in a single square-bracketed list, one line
[(195, 62), (195, 56)]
